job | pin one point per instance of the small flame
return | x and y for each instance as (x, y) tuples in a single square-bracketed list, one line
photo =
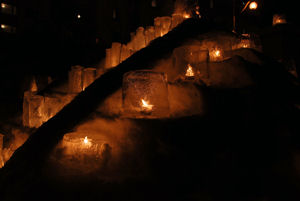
[(146, 105), (217, 53), (189, 71), (33, 87), (85, 141)]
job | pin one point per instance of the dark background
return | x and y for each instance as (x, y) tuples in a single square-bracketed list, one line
[(47, 37)]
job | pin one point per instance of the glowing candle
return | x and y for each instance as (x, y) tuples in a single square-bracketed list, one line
[(85, 141), (146, 107), (189, 71), (215, 55)]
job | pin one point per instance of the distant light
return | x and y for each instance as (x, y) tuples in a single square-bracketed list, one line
[(3, 26), (153, 3), (114, 14), (253, 5), (279, 19), (3, 5), (78, 16)]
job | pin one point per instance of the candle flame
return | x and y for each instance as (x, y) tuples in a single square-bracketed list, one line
[(217, 53), (189, 71), (85, 141), (146, 105)]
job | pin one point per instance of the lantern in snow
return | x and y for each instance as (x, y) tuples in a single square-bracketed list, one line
[(86, 142), (33, 105), (88, 77), (115, 54), (279, 19), (216, 54), (75, 143), (149, 34), (245, 43), (189, 71), (162, 25), (145, 94), (75, 79)]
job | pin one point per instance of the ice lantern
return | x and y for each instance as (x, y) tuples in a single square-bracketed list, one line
[(145, 94), (279, 19)]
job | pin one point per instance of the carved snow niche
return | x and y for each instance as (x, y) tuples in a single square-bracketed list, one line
[(33, 110), (189, 58), (145, 94), (115, 54)]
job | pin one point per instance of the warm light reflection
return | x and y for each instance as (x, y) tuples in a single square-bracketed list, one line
[(186, 16), (253, 5), (146, 106), (189, 71), (3, 5)]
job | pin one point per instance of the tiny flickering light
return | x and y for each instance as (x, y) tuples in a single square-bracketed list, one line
[(3, 5), (189, 71), (215, 54), (279, 19), (253, 5), (186, 16), (78, 16), (3, 26), (85, 141), (146, 107), (197, 11)]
